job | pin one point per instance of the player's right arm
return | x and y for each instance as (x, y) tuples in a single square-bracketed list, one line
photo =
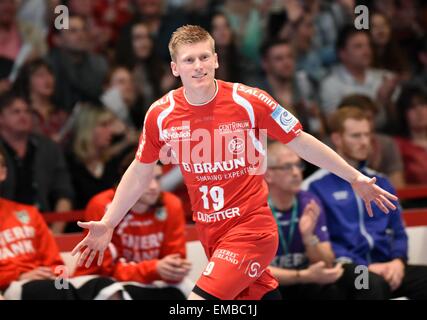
[(134, 182), (136, 178)]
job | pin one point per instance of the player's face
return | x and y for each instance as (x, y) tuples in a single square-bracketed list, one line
[(417, 115), (195, 64), (355, 142), (286, 172), (16, 118), (151, 195)]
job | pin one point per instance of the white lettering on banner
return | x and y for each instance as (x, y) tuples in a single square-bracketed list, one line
[(218, 216)]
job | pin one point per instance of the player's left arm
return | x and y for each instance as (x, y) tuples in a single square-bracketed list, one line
[(316, 152)]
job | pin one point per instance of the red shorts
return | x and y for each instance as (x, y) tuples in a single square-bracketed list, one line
[(237, 268)]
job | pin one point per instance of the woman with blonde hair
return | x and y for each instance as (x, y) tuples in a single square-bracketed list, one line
[(93, 158)]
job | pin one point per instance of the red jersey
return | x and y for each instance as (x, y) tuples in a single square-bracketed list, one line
[(219, 150), (26, 243), (139, 240)]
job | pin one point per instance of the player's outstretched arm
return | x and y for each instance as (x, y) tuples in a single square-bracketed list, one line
[(316, 152), (136, 178)]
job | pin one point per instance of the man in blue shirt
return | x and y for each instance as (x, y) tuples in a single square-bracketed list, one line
[(379, 242)]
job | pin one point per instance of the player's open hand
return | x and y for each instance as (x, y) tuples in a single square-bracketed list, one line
[(367, 189), (95, 242)]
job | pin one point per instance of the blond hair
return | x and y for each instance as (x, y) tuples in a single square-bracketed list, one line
[(188, 34), (88, 118)]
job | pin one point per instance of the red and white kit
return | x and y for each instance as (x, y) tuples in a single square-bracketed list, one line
[(219, 148)]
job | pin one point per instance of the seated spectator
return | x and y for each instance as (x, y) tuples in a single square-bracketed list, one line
[(30, 263), (37, 84), (378, 242), (290, 88), (5, 70), (152, 75), (303, 263), (14, 34), (122, 98), (160, 22), (386, 52), (37, 171), (147, 251), (93, 159), (412, 133), (384, 155), (355, 75), (80, 73), (420, 77), (229, 59)]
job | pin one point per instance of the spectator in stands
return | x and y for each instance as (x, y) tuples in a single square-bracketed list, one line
[(386, 52), (36, 83), (93, 159), (290, 88), (160, 23), (122, 98), (384, 155), (355, 75), (79, 72), (151, 74), (420, 77), (247, 23), (37, 171), (412, 132), (304, 259), (379, 242), (15, 34), (5, 70), (30, 262), (230, 60), (147, 246)]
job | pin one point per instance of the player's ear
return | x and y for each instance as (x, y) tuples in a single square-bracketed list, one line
[(174, 69), (267, 176), (216, 61)]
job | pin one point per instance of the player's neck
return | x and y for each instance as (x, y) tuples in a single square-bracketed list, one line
[(281, 201), (201, 96)]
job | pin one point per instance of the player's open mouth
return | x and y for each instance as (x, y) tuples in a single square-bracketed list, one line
[(200, 76)]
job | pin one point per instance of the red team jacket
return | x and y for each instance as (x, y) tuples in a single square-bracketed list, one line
[(26, 242), (140, 240)]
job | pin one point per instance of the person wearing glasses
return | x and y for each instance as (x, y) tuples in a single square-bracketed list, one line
[(304, 260)]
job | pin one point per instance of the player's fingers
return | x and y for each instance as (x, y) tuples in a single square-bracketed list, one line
[(90, 259), (373, 180), (369, 208), (389, 195), (381, 205), (83, 256), (100, 258), (387, 202), (84, 225), (78, 247)]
